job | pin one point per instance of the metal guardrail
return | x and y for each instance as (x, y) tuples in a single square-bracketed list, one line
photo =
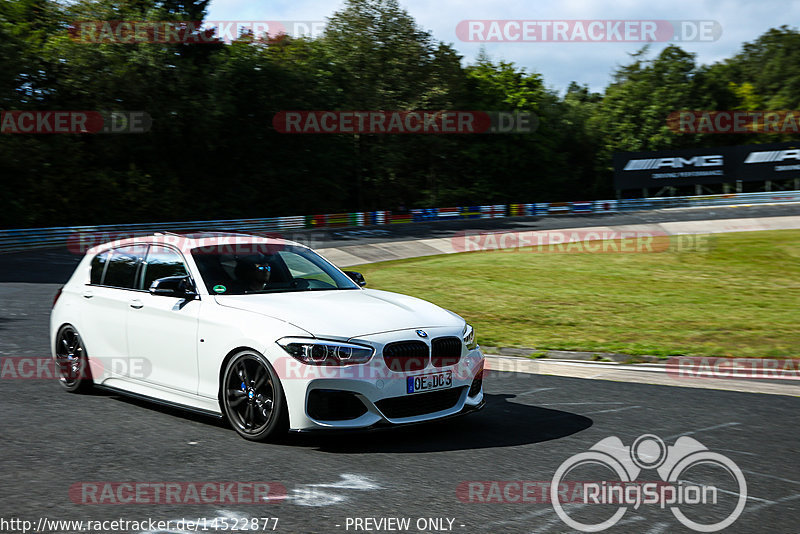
[(82, 237)]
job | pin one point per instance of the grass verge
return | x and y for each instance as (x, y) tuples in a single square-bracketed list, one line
[(739, 298)]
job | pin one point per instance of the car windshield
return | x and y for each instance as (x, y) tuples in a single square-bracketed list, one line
[(266, 268)]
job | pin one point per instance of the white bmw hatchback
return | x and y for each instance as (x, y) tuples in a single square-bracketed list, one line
[(263, 332)]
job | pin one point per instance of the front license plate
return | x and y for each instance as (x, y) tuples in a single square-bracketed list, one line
[(420, 383)]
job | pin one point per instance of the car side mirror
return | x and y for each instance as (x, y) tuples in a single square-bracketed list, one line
[(174, 286), (356, 277)]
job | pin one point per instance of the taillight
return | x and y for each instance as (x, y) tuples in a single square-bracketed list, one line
[(58, 294)]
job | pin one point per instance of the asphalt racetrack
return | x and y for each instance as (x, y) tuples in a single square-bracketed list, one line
[(460, 475)]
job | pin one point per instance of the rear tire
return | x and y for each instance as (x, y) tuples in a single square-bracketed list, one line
[(72, 362), (252, 397)]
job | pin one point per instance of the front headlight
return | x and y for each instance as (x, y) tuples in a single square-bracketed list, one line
[(469, 337), (321, 352)]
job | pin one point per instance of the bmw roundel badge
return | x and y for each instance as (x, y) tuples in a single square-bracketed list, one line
[(422, 333)]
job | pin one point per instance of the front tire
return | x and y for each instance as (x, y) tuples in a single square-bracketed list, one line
[(72, 362), (252, 397)]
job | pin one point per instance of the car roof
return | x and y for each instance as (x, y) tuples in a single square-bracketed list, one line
[(188, 241)]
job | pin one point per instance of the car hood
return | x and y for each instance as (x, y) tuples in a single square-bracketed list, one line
[(345, 314)]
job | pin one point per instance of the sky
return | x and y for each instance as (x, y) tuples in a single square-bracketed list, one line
[(588, 63)]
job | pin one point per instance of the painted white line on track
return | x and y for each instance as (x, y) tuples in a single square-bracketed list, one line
[(529, 515), (629, 520), (537, 390), (613, 410), (578, 403), (312, 495), (658, 528), (736, 452), (349, 481), (771, 476), (782, 500), (692, 432), (657, 367), (652, 374), (555, 521)]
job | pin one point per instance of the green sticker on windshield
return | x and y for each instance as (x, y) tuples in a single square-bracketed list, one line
[(220, 289)]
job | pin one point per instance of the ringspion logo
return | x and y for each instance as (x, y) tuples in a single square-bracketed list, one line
[(672, 463)]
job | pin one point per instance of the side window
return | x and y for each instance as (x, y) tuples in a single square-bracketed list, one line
[(121, 270), (98, 268), (160, 263)]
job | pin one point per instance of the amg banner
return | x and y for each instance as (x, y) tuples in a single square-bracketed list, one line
[(776, 161)]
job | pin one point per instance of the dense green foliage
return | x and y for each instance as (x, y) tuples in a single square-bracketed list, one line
[(213, 153)]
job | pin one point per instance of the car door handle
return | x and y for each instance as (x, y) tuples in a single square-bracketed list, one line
[(87, 294), (136, 303)]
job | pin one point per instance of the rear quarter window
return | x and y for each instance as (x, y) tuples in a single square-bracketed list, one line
[(123, 265), (98, 267)]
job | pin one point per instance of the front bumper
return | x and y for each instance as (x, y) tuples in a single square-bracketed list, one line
[(373, 395), (383, 425)]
